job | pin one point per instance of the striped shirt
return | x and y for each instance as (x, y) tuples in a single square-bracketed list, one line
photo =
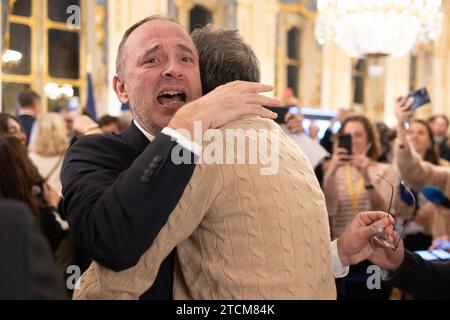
[(347, 196)]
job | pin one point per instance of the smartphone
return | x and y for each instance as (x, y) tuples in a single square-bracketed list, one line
[(441, 254), (345, 142), (420, 98), (280, 111), (426, 255)]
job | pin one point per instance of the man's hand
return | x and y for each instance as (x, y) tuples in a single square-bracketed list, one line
[(357, 243), (402, 107), (293, 122), (387, 258), (224, 104)]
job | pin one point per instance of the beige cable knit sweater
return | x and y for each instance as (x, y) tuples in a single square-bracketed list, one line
[(239, 234)]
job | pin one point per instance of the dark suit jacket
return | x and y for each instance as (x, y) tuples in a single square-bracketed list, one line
[(327, 141), (423, 279), (27, 268), (118, 192), (27, 122), (444, 149)]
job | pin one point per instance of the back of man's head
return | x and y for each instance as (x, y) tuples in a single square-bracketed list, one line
[(107, 119), (27, 99), (224, 57)]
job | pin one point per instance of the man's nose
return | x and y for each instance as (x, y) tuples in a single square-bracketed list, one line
[(172, 70)]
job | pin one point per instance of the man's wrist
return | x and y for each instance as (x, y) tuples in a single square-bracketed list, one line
[(178, 124), (184, 141), (339, 269), (393, 271), (345, 261), (186, 117)]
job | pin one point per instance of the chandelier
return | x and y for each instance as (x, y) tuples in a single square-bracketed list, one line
[(378, 27)]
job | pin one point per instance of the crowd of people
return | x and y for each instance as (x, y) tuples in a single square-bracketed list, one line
[(110, 198)]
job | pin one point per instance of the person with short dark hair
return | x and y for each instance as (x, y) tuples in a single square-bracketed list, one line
[(439, 124), (239, 60), (29, 103), (109, 123)]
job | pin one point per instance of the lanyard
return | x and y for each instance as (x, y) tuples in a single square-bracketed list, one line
[(355, 195)]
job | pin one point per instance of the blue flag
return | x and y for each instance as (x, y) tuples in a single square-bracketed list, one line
[(90, 103)]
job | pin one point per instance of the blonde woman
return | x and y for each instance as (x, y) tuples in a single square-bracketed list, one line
[(48, 143)]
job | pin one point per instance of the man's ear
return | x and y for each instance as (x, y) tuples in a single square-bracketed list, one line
[(119, 88)]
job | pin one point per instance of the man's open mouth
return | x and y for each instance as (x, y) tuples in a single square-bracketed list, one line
[(168, 97)]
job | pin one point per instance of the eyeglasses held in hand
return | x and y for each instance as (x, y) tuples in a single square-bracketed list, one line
[(381, 237)]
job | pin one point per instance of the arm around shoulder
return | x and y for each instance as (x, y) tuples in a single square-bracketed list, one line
[(117, 200)]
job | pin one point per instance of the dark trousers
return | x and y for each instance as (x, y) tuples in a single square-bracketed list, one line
[(355, 285)]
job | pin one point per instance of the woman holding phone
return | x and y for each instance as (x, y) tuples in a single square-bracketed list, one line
[(353, 182), (417, 136), (426, 224)]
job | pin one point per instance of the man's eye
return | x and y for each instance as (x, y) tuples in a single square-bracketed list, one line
[(187, 59), (152, 60)]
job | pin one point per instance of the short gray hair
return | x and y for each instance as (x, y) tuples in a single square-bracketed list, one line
[(120, 51), (224, 57)]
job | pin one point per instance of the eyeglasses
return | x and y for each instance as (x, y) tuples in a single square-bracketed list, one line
[(381, 237)]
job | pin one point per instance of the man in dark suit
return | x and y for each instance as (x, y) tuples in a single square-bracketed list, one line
[(118, 191), (409, 272), (30, 105)]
